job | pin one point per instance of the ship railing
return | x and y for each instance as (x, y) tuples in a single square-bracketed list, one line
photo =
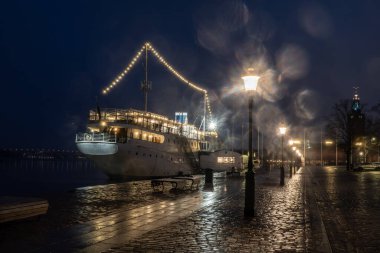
[(96, 137)]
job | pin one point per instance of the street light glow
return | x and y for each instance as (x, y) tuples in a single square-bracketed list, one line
[(250, 80), (212, 125), (282, 130)]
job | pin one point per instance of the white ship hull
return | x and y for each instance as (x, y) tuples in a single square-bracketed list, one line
[(138, 159)]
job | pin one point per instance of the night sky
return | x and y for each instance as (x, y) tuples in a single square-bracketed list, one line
[(57, 56)]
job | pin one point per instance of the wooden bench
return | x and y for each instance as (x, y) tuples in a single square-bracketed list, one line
[(158, 184), (15, 208), (195, 181)]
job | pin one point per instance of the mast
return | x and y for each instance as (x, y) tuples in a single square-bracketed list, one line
[(146, 85), (204, 116)]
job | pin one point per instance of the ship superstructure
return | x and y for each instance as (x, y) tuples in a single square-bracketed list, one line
[(133, 143)]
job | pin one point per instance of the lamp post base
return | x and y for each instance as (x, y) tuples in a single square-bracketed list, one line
[(282, 178), (249, 206)]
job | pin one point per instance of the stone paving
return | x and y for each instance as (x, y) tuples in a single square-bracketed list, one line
[(318, 210), (279, 225), (349, 204)]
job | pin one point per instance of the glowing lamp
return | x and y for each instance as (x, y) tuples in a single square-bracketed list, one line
[(282, 130), (250, 80), (212, 125)]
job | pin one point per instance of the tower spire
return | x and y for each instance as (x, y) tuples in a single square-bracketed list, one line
[(356, 93)]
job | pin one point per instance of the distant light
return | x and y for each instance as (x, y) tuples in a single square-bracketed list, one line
[(103, 123), (328, 142), (294, 148), (358, 144)]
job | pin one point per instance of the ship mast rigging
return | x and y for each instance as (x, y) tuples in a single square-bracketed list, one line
[(146, 85)]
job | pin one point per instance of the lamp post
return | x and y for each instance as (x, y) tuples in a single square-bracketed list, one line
[(282, 133), (250, 84), (329, 142), (294, 150), (291, 159)]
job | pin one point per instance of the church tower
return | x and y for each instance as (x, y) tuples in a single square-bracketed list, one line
[(356, 117), (356, 123)]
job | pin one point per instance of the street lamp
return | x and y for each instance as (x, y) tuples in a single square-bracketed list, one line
[(282, 133), (294, 150), (291, 160), (328, 143), (250, 84)]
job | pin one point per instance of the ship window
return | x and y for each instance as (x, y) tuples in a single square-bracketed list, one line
[(144, 154), (156, 155), (150, 155), (137, 153)]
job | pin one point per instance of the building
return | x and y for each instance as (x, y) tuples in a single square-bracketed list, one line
[(356, 122)]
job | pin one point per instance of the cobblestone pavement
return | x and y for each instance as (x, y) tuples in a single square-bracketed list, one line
[(128, 217), (82, 205), (349, 204), (279, 225)]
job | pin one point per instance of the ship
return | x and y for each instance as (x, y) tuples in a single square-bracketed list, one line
[(138, 144), (133, 143)]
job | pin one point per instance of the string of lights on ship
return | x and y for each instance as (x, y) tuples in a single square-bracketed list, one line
[(149, 47)]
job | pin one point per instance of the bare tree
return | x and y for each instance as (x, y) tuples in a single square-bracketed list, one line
[(338, 126)]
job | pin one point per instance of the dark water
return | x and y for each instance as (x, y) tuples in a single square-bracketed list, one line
[(42, 174)]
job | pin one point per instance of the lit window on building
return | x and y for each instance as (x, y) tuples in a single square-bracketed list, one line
[(226, 159)]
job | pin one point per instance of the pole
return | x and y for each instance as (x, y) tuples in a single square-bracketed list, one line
[(321, 150), (258, 143), (204, 115), (146, 80), (304, 146), (262, 148), (242, 137), (336, 150), (291, 167), (249, 208), (282, 180)]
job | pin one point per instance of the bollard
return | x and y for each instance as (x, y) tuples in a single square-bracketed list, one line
[(209, 176)]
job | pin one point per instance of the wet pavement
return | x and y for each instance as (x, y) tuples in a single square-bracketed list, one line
[(318, 210), (349, 204)]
